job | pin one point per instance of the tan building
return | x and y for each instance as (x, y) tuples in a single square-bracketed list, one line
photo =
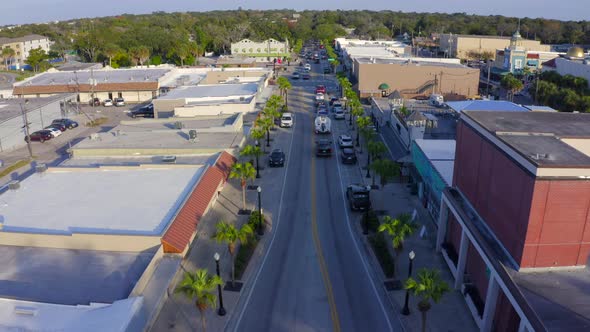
[(460, 45), (22, 46), (414, 78)]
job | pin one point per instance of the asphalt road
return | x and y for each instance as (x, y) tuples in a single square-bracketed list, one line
[(313, 277)]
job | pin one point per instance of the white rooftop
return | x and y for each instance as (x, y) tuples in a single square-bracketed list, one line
[(39, 317), (213, 91), (101, 76), (441, 154), (109, 200)]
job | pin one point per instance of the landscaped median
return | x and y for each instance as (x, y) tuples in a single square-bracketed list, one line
[(14, 167)]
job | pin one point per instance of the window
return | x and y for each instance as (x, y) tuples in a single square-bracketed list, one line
[(518, 64)]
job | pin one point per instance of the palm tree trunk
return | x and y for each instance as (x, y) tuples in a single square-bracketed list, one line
[(203, 322), (233, 271), (424, 321), (244, 196), (286, 99)]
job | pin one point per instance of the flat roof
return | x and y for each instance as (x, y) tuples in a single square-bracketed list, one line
[(485, 105), (69, 277), (136, 160), (211, 123), (102, 76), (539, 136), (11, 108), (109, 200), (53, 317), (561, 298), (212, 91), (409, 61), (539, 108), (441, 154)]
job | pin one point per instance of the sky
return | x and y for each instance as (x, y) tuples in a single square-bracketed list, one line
[(39, 11)]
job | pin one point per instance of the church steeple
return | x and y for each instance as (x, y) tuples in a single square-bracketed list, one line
[(516, 40)]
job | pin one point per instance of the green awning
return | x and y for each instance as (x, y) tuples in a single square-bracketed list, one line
[(383, 86)]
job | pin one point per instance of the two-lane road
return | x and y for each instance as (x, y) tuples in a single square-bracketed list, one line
[(313, 276)]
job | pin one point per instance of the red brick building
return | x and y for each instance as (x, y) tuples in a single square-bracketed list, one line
[(515, 227)]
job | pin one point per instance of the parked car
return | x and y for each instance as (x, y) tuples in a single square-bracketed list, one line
[(320, 89), (345, 141), (323, 148), (358, 197), (333, 100), (54, 131), (94, 102), (70, 124), (119, 102), (296, 76), (339, 114), (40, 136), (306, 76), (348, 156), (58, 126), (286, 120), (319, 96), (276, 158), (143, 112), (307, 67), (107, 103)]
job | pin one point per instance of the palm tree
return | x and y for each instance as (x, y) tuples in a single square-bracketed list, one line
[(244, 172), (271, 112), (386, 169), (429, 286), (7, 54), (143, 54), (195, 50), (134, 54), (200, 286), (265, 123), (253, 151), (363, 123), (274, 102), (375, 150), (284, 86), (111, 51), (399, 229), (231, 235), (258, 135)]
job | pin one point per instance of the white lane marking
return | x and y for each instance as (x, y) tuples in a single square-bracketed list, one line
[(272, 240), (356, 245)]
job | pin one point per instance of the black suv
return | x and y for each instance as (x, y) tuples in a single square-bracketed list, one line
[(70, 124), (143, 112), (276, 158), (358, 197), (348, 156), (323, 148)]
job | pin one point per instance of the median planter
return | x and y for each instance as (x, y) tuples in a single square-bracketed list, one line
[(380, 249)]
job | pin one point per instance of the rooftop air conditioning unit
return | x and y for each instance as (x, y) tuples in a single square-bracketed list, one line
[(178, 125), (14, 185), (192, 134), (40, 168)]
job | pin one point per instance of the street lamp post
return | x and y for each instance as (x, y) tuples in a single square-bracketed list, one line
[(221, 310), (257, 144), (406, 309), (260, 230), (368, 164)]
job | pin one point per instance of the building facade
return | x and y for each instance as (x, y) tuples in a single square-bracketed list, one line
[(22, 46), (461, 46), (267, 50), (574, 63)]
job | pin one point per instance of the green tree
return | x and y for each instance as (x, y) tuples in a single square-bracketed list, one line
[(143, 54), (253, 151), (399, 229), (257, 134), (386, 169), (512, 84), (8, 54), (284, 86), (265, 123), (429, 286), (200, 287), (36, 57), (110, 51), (195, 50), (362, 123), (231, 235), (244, 172), (375, 150)]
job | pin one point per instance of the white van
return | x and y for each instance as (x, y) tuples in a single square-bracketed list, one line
[(286, 120), (436, 100)]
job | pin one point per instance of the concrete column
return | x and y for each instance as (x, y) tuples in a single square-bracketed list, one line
[(490, 306), (442, 224), (462, 259)]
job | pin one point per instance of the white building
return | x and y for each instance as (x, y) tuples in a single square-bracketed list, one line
[(267, 50), (575, 63), (22, 46)]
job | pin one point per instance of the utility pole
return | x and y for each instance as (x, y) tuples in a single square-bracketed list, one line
[(440, 83), (489, 72), (26, 127), (537, 89)]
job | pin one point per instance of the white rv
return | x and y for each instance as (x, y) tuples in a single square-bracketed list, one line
[(436, 100), (323, 125)]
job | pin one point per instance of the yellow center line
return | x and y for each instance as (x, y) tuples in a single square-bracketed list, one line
[(318, 247)]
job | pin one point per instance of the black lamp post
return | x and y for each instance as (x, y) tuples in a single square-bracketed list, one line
[(257, 161), (358, 138), (368, 165), (260, 230), (221, 310), (350, 118), (406, 309)]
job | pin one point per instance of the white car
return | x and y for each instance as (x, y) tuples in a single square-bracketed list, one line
[(319, 96), (286, 120), (119, 102), (107, 102), (307, 67), (345, 141), (339, 114), (54, 131)]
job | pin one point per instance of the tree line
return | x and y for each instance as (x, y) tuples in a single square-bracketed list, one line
[(182, 38)]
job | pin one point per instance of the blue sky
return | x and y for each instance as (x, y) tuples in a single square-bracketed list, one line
[(35, 11)]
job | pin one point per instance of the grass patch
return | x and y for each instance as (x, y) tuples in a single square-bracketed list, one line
[(380, 248), (243, 256), (20, 75), (14, 167), (97, 122)]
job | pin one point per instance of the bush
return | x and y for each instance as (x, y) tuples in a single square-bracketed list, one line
[(372, 220), (243, 256), (380, 248)]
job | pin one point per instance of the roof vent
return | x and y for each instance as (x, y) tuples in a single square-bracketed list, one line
[(539, 156), (14, 185), (178, 125), (40, 168), (242, 98), (29, 311), (94, 137)]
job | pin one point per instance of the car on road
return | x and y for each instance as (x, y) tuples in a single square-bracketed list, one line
[(348, 156), (327, 70), (306, 76), (339, 114), (319, 96), (358, 197), (40, 136), (345, 141), (336, 105), (296, 76), (70, 124), (320, 89), (286, 120), (119, 102), (107, 103), (307, 67), (143, 112), (323, 148), (276, 158), (54, 131)]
